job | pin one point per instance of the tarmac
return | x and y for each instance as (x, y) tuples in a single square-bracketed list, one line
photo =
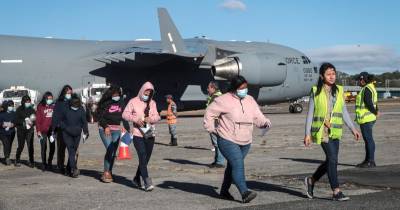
[(275, 168)]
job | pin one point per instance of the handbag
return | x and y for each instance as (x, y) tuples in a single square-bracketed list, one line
[(147, 131)]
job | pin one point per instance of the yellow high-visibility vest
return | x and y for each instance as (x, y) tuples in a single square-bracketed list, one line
[(321, 113), (363, 115)]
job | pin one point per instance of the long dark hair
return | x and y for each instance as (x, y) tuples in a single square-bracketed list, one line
[(236, 82), (63, 91), (107, 96), (147, 109), (322, 70), (24, 99), (44, 98)]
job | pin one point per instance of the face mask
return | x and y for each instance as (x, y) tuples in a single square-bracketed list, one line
[(49, 101), (67, 96), (116, 98), (145, 98), (74, 108), (27, 105), (242, 93), (10, 109)]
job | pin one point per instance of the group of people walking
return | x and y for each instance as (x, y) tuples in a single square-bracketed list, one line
[(229, 119)]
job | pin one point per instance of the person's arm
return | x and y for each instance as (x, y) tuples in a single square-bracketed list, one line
[(101, 116), (39, 118), (259, 120), (213, 111), (368, 101), (346, 118), (55, 120), (310, 115), (174, 109), (19, 119), (84, 122), (153, 114), (129, 113)]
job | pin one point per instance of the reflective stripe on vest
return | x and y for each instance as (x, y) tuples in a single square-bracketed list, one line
[(320, 113), (363, 115)]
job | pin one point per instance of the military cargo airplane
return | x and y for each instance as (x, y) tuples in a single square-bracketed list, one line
[(181, 67)]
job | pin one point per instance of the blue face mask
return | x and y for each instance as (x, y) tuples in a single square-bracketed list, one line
[(116, 98), (28, 105), (145, 98), (67, 96), (74, 108), (242, 93), (10, 109), (49, 101)]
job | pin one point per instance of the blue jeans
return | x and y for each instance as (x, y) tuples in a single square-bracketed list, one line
[(144, 149), (172, 130), (218, 157), (366, 131), (331, 150), (234, 172), (111, 145)]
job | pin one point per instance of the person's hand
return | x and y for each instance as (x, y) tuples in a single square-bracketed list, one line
[(140, 123), (123, 130), (356, 134), (307, 140), (107, 132), (379, 114), (267, 124), (39, 134)]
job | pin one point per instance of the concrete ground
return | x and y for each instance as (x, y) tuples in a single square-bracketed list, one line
[(275, 168)]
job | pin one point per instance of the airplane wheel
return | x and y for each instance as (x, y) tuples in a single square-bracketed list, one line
[(291, 108), (298, 108)]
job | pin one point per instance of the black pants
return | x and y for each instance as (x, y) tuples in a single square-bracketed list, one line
[(23, 136), (72, 143), (60, 149), (144, 148), (7, 143), (43, 148)]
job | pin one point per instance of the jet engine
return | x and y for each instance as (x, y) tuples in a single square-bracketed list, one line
[(260, 69)]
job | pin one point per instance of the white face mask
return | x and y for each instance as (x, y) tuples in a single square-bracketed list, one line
[(10, 109), (242, 93), (68, 96), (49, 101), (145, 98), (74, 108), (116, 98)]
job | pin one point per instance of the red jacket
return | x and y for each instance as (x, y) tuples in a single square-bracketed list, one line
[(44, 115)]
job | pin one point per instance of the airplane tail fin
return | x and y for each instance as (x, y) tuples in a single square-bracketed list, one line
[(171, 40)]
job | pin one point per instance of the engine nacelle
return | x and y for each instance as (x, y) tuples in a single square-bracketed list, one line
[(258, 69)]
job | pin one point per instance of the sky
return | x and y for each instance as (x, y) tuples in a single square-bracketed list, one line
[(355, 35)]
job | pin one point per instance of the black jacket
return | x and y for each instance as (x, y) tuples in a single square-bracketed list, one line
[(110, 113), (368, 101), (73, 122), (59, 109), (7, 117), (21, 114)]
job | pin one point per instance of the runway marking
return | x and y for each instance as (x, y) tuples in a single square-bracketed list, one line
[(11, 61)]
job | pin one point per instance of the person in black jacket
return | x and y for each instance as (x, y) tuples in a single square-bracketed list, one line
[(61, 106), (111, 125), (7, 128), (72, 122), (25, 122)]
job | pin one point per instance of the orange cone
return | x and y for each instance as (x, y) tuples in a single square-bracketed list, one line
[(123, 152)]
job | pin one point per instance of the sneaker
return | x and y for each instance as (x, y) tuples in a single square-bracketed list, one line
[(248, 196), (8, 161), (362, 164), (17, 163), (44, 167), (340, 197), (216, 165), (309, 187), (75, 173), (226, 195), (149, 188), (136, 183), (366, 164)]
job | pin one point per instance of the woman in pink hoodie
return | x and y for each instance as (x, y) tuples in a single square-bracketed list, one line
[(236, 113), (142, 112)]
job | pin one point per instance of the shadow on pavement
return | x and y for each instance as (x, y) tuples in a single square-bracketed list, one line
[(97, 175), (312, 161), (261, 186), (195, 188), (185, 162)]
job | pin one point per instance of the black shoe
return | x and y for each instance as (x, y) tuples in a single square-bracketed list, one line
[(309, 187), (366, 164), (31, 164), (226, 195), (362, 164), (17, 163), (216, 165), (8, 161), (248, 196), (340, 197), (49, 167), (44, 167), (136, 183)]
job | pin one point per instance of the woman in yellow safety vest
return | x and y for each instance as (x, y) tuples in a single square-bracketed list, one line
[(326, 114), (366, 114)]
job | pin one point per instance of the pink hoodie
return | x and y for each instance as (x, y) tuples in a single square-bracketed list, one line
[(235, 118), (134, 111)]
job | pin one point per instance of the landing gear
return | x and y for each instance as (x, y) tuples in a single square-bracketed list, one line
[(296, 107)]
